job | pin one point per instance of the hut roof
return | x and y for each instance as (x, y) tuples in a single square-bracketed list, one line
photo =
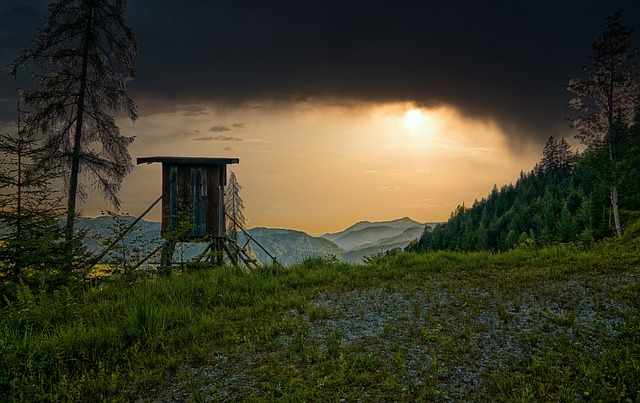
[(189, 160)]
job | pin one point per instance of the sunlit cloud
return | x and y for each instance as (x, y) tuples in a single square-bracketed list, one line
[(193, 110), (269, 206), (423, 204), (249, 150), (389, 188), (256, 104), (218, 138), (257, 140)]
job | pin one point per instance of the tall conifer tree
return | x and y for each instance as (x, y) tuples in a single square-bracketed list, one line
[(29, 211), (550, 154), (607, 97), (234, 207), (81, 61)]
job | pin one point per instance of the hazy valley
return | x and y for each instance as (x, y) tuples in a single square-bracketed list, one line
[(289, 246)]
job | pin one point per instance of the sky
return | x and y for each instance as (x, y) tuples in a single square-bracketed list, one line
[(342, 111)]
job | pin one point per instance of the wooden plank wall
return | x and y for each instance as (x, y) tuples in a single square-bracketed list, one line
[(177, 195), (213, 203)]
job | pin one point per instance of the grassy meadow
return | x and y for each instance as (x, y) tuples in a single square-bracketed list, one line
[(557, 324)]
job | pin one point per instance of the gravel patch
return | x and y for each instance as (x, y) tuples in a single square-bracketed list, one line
[(495, 330), (486, 328)]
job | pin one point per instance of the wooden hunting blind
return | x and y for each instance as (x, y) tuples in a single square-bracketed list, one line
[(193, 194), (193, 186)]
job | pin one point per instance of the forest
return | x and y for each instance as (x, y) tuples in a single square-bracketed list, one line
[(564, 198)]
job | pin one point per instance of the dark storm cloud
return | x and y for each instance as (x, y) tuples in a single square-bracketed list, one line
[(500, 60), (505, 61), (19, 20), (220, 129), (20, 11), (223, 128)]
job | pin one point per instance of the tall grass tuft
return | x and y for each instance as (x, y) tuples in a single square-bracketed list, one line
[(145, 318)]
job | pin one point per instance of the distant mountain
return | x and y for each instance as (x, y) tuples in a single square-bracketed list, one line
[(403, 223), (144, 237), (100, 230), (290, 246), (366, 234), (356, 255)]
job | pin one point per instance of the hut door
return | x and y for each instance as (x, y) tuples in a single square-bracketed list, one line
[(198, 201), (173, 199)]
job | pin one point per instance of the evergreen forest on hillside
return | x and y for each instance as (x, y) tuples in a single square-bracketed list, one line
[(564, 198)]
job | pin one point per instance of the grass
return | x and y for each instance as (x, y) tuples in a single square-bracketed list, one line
[(548, 325)]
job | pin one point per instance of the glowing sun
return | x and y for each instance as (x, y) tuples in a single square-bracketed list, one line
[(414, 120)]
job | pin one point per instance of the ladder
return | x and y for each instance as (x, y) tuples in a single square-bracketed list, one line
[(235, 251)]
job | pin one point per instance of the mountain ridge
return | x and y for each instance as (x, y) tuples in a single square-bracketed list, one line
[(289, 246), (363, 224)]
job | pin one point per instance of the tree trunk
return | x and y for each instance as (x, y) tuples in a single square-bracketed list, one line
[(77, 144), (612, 139), (616, 213), (19, 186), (77, 137)]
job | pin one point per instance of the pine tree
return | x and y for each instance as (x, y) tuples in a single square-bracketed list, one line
[(234, 207), (81, 60), (549, 154), (564, 154), (556, 155), (29, 212), (630, 165), (607, 97)]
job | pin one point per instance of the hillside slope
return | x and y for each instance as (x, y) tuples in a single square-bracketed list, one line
[(356, 255), (291, 246), (367, 238), (400, 223)]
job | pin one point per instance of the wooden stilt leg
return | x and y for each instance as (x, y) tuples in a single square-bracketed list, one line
[(166, 256)]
